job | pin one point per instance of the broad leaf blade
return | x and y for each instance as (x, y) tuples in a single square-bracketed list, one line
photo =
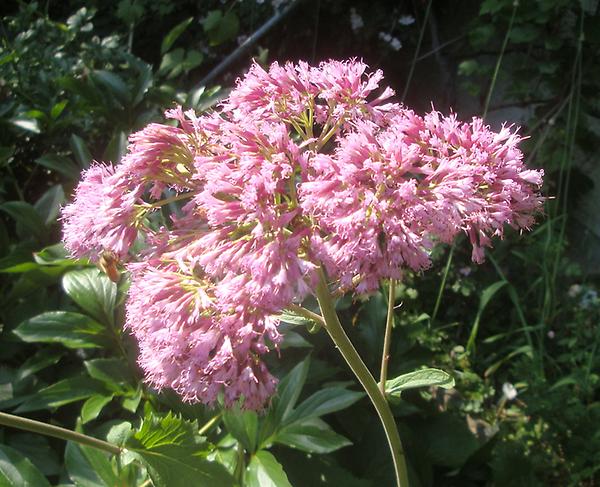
[(312, 435), (93, 291), (324, 402), (72, 330), (88, 467), (419, 378), (18, 471), (265, 471)]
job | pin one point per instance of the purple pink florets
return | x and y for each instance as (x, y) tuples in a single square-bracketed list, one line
[(300, 167)]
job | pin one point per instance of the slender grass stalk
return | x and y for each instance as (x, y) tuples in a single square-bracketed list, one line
[(362, 373), (499, 60), (442, 287), (417, 51), (57, 432), (387, 341)]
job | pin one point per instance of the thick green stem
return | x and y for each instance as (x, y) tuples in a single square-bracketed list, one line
[(344, 345), (387, 340), (57, 432)]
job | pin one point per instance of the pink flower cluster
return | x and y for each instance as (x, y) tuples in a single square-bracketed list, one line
[(301, 167)]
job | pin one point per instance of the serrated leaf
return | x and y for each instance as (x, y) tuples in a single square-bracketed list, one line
[(18, 471), (265, 471), (419, 378), (311, 435), (323, 402), (172, 451), (72, 330), (93, 291), (174, 34), (93, 406), (63, 392), (60, 164), (89, 467)]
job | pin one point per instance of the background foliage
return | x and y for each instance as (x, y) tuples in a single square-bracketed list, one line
[(76, 78)]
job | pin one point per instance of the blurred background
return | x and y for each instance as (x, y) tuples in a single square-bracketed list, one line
[(520, 333)]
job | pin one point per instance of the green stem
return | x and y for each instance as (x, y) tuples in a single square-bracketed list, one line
[(166, 201), (57, 432), (306, 313), (352, 358), (499, 61), (211, 422), (417, 51), (442, 287), (387, 340)]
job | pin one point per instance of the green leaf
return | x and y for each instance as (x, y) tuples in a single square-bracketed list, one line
[(80, 151), (18, 471), (174, 34), (265, 471), (58, 108), (25, 216), (93, 291), (487, 294), (54, 255), (112, 371), (116, 86), (220, 28), (419, 378), (63, 392), (173, 454), (72, 330), (38, 450), (49, 204), (61, 164), (311, 435), (116, 148), (89, 467), (93, 406), (324, 402), (243, 426), (289, 389), (28, 124), (171, 62), (39, 361)]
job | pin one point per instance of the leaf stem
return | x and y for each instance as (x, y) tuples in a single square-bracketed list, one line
[(442, 287), (352, 358), (57, 432), (387, 340), (306, 313)]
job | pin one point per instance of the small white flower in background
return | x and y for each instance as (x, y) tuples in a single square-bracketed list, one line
[(406, 20), (574, 290), (356, 21), (551, 334), (395, 44), (509, 391), (465, 271), (589, 298)]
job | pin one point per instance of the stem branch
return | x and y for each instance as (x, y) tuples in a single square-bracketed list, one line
[(387, 341), (57, 432), (352, 358)]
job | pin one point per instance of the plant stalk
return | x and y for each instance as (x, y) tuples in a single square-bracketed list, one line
[(352, 358), (387, 340), (57, 432)]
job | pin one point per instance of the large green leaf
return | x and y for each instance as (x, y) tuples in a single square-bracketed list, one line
[(243, 426), (63, 392), (37, 449), (220, 27), (114, 84), (311, 435), (324, 402), (93, 406), (174, 34), (27, 218), (80, 151), (289, 389), (419, 378), (72, 330), (18, 471), (60, 164), (49, 204), (112, 371), (174, 454), (89, 467), (265, 471), (93, 291)]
